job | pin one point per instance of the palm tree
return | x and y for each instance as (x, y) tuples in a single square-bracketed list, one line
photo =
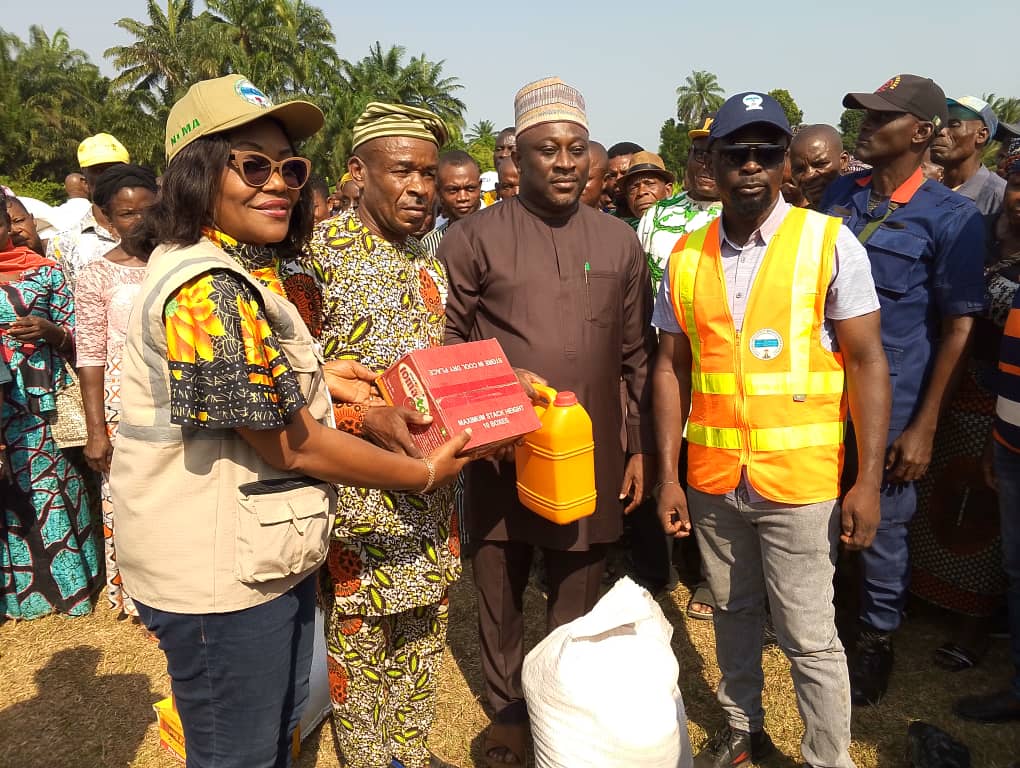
[(379, 75), (482, 131), (170, 52), (699, 95), (61, 90), (313, 59), (256, 39), (330, 147), (1006, 109), (426, 87)]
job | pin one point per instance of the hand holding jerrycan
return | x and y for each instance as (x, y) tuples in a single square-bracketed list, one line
[(556, 463)]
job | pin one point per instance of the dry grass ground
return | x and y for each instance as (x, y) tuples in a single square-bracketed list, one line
[(76, 693)]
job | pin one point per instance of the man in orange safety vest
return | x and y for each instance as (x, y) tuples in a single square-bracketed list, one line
[(769, 329)]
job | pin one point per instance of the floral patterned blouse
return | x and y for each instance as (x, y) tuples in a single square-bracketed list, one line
[(103, 299), (226, 366), (391, 551), (37, 369)]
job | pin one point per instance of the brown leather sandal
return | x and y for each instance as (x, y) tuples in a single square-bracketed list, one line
[(512, 737)]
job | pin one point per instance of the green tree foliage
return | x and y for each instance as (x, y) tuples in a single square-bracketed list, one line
[(699, 95), (674, 144), (481, 143), (849, 126), (24, 185), (1005, 108), (793, 113), (52, 96), (483, 130), (1008, 111)]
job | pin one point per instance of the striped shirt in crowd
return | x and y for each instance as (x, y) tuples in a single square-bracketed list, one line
[(1007, 408)]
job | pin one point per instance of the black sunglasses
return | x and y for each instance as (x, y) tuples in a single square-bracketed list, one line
[(738, 155), (256, 169), (698, 155)]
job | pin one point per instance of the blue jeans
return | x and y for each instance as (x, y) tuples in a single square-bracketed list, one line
[(1007, 471), (240, 679)]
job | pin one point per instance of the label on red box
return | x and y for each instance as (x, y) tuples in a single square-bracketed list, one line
[(461, 386)]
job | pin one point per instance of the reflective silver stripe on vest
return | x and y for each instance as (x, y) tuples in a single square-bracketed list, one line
[(173, 433)]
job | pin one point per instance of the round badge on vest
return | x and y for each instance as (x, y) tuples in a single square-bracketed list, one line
[(766, 344)]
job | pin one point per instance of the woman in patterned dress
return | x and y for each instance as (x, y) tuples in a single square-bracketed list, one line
[(48, 551), (956, 549), (103, 296)]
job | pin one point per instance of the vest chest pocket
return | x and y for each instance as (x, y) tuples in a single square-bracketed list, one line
[(283, 527), (895, 254)]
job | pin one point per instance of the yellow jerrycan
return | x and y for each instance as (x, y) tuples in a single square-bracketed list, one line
[(556, 463)]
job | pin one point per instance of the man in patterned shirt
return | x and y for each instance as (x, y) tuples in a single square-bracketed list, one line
[(91, 237), (393, 554), (668, 220), (459, 188)]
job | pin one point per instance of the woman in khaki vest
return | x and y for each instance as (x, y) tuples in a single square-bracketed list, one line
[(221, 477)]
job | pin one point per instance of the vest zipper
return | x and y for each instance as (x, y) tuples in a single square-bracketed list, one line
[(745, 443), (740, 407)]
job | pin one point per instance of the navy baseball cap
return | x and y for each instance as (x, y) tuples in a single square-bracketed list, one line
[(1007, 131), (745, 109)]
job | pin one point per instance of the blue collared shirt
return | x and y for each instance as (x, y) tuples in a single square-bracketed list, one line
[(927, 260)]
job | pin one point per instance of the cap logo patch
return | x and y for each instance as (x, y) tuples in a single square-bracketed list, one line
[(890, 84), (247, 91), (752, 101)]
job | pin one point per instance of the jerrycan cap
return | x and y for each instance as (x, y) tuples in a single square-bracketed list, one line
[(565, 399)]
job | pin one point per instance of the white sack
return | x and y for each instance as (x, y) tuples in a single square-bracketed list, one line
[(602, 690), (319, 705)]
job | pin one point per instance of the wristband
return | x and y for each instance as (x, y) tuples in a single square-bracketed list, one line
[(432, 474)]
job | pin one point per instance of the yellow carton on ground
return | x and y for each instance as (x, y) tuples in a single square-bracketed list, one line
[(171, 735)]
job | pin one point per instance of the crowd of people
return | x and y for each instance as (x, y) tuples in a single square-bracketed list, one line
[(790, 352)]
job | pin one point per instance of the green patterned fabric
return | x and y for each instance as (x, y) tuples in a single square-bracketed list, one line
[(665, 223)]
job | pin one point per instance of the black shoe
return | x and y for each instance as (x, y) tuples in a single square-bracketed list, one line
[(931, 747), (729, 748), (1001, 707), (870, 667), (769, 637)]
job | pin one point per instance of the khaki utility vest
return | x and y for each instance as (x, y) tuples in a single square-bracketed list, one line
[(203, 524)]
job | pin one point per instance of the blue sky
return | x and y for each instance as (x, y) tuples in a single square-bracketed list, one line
[(627, 58)]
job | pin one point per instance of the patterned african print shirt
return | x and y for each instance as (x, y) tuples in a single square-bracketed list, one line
[(665, 223), (382, 300), (226, 366), (79, 245)]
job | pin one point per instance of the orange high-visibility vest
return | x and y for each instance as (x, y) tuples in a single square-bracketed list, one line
[(769, 397)]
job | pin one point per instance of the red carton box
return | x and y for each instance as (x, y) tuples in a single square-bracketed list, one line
[(464, 385)]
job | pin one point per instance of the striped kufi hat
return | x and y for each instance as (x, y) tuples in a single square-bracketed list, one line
[(380, 120), (548, 101)]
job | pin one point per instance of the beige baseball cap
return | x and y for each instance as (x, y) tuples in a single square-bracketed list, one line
[(224, 103)]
